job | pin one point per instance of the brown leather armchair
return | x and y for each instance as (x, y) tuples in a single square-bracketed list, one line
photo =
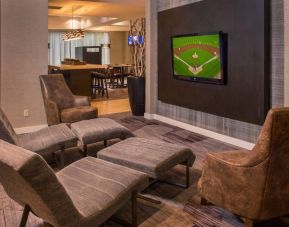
[(254, 184), (60, 104)]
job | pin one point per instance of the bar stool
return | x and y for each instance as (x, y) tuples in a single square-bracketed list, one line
[(98, 84), (115, 77)]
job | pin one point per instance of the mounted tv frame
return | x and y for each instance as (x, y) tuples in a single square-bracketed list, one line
[(201, 53)]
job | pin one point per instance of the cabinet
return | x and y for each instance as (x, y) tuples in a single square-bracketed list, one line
[(89, 54)]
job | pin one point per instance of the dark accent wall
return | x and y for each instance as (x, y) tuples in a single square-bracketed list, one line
[(89, 54), (246, 23)]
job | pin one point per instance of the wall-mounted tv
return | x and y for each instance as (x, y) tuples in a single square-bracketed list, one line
[(199, 57), (135, 40)]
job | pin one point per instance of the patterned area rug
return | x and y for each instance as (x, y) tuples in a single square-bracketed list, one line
[(176, 198), (179, 207)]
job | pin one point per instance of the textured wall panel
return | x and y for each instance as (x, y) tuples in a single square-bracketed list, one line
[(237, 129)]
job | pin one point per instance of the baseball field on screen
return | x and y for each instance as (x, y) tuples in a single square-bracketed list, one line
[(197, 56)]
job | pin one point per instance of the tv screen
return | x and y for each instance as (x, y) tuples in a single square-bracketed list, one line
[(199, 57), (135, 40)]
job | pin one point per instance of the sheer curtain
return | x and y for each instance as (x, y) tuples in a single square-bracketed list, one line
[(58, 49)]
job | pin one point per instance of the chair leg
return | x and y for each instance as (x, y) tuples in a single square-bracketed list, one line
[(85, 150), (106, 90), (62, 156), (134, 209), (151, 200), (105, 143), (24, 216), (204, 201), (248, 222), (188, 177)]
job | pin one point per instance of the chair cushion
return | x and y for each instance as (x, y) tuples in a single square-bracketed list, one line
[(98, 188), (78, 113), (48, 140), (149, 156), (99, 129)]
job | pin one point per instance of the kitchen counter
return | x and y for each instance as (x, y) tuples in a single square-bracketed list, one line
[(77, 67), (78, 77)]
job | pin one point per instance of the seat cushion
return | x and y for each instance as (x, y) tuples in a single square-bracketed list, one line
[(98, 188), (149, 156), (78, 113), (99, 129), (48, 140)]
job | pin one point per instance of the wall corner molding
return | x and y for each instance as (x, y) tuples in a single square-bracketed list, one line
[(201, 131)]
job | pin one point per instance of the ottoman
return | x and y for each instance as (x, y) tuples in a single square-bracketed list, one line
[(48, 141), (152, 157), (97, 130)]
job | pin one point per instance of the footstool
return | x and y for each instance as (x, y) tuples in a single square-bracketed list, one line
[(97, 130), (152, 157), (49, 140)]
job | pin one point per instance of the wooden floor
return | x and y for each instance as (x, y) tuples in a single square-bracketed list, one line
[(116, 103), (111, 106), (179, 207)]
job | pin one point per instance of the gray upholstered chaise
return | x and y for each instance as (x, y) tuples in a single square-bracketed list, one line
[(44, 141), (152, 157), (84, 194)]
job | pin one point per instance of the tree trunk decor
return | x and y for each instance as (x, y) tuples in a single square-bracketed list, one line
[(136, 82)]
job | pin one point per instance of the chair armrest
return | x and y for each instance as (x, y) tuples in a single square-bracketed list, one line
[(52, 112), (229, 182), (237, 158), (81, 100)]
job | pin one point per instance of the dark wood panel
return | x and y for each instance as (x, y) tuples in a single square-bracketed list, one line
[(79, 81), (246, 96), (90, 57)]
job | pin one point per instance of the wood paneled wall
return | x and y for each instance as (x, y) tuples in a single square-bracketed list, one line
[(233, 128)]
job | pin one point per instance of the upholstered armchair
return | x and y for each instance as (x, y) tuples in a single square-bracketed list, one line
[(84, 194), (60, 104), (252, 184)]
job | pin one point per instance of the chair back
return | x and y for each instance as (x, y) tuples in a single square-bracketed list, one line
[(7, 132), (54, 88), (272, 147), (28, 180)]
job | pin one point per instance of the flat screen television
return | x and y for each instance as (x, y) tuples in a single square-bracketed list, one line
[(199, 57), (135, 40)]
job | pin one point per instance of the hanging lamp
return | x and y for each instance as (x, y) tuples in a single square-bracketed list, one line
[(73, 34)]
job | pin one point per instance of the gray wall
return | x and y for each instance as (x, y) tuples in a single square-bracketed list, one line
[(233, 128), (286, 51), (119, 51), (24, 56)]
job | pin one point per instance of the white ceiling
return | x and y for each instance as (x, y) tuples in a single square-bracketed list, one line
[(94, 14)]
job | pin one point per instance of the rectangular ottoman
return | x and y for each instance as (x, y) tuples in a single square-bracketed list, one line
[(48, 141), (152, 157), (97, 130)]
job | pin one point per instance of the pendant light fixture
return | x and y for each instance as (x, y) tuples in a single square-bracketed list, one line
[(73, 34)]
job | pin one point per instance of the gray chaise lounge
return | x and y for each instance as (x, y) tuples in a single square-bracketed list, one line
[(44, 142), (84, 194)]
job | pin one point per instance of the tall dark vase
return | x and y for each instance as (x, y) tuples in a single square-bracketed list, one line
[(136, 94)]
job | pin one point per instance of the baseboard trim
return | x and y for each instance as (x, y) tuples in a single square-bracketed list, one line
[(201, 131), (29, 129)]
